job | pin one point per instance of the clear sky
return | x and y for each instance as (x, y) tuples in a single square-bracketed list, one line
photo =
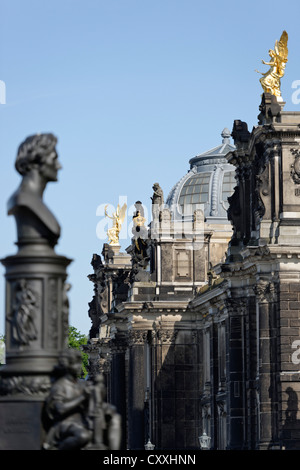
[(132, 89)]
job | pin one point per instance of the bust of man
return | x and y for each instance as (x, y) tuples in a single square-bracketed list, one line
[(38, 164)]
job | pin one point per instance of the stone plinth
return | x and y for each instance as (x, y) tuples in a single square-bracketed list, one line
[(36, 332)]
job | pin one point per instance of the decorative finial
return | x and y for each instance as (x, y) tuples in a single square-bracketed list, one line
[(225, 136), (270, 81)]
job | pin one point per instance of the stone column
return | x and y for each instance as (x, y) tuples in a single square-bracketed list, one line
[(118, 383), (266, 373), (104, 365), (236, 373), (136, 389), (36, 331)]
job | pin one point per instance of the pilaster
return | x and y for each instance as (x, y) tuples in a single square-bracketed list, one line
[(136, 389)]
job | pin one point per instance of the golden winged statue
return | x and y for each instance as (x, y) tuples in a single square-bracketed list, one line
[(118, 218), (270, 81)]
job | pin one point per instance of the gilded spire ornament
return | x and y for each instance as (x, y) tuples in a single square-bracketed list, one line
[(270, 81)]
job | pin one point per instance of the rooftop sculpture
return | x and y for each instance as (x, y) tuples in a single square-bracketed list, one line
[(270, 81), (118, 218)]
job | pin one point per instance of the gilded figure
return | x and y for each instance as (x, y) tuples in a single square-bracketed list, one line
[(118, 218), (270, 81)]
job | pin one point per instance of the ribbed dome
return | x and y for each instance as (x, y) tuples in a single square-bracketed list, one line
[(209, 182)]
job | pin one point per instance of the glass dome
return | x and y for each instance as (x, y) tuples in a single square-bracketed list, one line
[(207, 185)]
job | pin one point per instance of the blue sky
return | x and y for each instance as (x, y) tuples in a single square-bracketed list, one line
[(132, 89)]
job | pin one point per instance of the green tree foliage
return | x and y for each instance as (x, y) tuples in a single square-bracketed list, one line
[(76, 340)]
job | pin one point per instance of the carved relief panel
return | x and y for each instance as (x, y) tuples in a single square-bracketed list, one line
[(23, 314), (291, 179)]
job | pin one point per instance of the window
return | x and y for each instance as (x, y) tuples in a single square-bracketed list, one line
[(195, 190)]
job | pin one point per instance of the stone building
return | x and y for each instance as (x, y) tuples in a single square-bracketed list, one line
[(196, 326)]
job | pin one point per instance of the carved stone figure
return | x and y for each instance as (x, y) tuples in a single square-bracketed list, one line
[(240, 133), (77, 415), (139, 250), (234, 212), (38, 164), (23, 315), (139, 231), (295, 167), (265, 291), (157, 200)]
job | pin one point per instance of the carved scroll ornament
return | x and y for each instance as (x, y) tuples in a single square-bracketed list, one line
[(295, 167)]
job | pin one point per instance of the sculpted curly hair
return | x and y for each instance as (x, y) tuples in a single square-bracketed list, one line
[(33, 151)]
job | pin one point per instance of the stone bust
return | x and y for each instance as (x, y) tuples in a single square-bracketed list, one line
[(37, 162)]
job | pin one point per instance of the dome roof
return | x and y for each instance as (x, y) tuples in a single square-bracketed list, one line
[(207, 185)]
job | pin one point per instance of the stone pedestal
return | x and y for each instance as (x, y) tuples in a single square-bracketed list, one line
[(21, 425), (36, 312), (36, 331)]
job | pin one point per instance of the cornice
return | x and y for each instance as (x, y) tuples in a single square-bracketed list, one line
[(213, 294), (270, 134), (153, 306)]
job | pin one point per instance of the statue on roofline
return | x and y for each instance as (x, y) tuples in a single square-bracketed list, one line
[(118, 218), (157, 200), (270, 81), (140, 232)]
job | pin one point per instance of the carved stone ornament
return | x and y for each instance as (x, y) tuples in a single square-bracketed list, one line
[(137, 337), (269, 109), (52, 312), (262, 251), (96, 367), (104, 365), (206, 411), (23, 314), (234, 211), (295, 167), (65, 309), (221, 406), (167, 336), (25, 385), (235, 306), (263, 181), (240, 133), (265, 291)]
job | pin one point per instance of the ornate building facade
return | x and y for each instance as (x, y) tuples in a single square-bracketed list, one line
[(196, 326)]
